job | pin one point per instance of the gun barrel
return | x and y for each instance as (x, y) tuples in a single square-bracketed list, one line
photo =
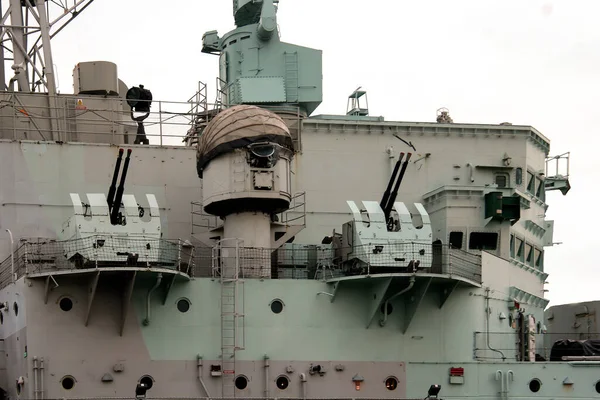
[(119, 197), (386, 194), (392, 199), (113, 186), (267, 24)]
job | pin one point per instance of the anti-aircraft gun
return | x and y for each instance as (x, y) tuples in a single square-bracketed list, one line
[(110, 229), (255, 67), (382, 237)]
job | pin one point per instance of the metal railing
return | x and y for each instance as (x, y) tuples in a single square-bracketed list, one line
[(494, 346), (202, 221), (291, 261), (39, 255), (108, 119), (440, 397), (296, 213), (295, 261), (95, 119)]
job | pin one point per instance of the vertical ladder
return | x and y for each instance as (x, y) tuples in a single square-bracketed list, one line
[(291, 76), (232, 310)]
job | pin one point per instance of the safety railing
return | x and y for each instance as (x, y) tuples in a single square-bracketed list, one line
[(253, 398), (109, 120), (296, 213), (39, 255), (201, 221), (553, 346), (291, 261), (297, 261), (96, 119)]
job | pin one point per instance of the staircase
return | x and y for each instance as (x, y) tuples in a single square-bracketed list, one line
[(226, 266)]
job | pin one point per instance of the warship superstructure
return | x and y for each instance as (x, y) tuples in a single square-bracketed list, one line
[(270, 252)]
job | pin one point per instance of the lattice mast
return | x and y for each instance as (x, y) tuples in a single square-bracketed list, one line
[(28, 26)]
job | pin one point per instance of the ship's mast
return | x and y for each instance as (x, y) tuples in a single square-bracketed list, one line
[(26, 29)]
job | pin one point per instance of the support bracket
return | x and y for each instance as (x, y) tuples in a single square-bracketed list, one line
[(376, 297), (412, 301), (91, 295), (336, 287), (168, 288), (290, 232), (48, 288), (125, 301), (446, 290)]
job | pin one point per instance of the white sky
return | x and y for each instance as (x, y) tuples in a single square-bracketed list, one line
[(528, 62)]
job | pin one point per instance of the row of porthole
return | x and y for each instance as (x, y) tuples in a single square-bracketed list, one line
[(66, 304), (68, 382), (183, 305), (535, 385), (282, 382)]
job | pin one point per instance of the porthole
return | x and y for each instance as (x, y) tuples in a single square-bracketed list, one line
[(598, 387), (391, 383), (67, 382), (65, 304), (241, 382), (389, 308), (147, 381), (183, 305), (535, 385), (16, 308), (277, 306), (282, 382)]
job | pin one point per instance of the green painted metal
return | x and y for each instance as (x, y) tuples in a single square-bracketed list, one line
[(255, 67)]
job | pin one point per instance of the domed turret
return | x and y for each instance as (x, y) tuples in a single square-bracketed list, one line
[(244, 159)]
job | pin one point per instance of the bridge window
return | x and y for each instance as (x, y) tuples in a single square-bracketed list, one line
[(456, 240), (483, 240), (519, 176), (501, 180), (520, 246), (539, 258), (530, 182), (528, 254)]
